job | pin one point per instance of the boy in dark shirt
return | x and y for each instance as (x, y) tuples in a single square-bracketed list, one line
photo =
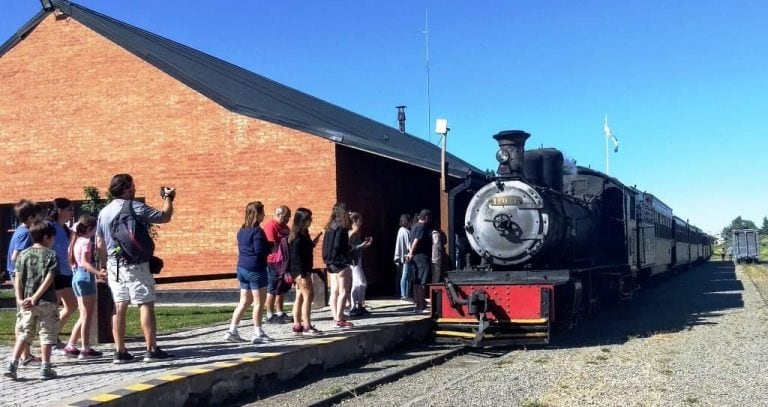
[(36, 268)]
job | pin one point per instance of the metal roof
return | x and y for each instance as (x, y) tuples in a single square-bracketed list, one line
[(253, 95)]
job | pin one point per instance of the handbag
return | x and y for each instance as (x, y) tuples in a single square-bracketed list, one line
[(284, 282)]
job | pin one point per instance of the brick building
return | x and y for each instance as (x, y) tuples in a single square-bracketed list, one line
[(86, 96)]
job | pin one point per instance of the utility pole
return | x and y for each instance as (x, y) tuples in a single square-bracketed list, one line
[(441, 127)]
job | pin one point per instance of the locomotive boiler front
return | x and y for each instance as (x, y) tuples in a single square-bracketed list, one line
[(505, 222), (515, 222)]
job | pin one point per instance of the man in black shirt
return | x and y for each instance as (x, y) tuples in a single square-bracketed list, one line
[(420, 253)]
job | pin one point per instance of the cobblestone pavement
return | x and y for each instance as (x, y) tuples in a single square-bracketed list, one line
[(192, 347)]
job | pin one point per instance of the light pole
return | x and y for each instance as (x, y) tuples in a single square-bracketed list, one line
[(441, 127)]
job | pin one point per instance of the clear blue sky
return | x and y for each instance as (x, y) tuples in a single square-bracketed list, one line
[(684, 83)]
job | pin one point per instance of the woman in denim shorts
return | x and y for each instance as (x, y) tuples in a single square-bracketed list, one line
[(252, 248), (84, 286)]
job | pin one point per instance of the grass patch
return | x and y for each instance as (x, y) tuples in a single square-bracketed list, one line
[(605, 350), (691, 400), (601, 358), (6, 295), (332, 391), (169, 319), (534, 404), (542, 360)]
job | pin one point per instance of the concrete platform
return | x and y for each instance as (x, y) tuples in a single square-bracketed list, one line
[(208, 370)]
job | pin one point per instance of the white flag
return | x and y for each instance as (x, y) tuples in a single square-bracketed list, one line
[(609, 135)]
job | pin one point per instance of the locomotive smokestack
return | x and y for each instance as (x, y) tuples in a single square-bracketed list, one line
[(510, 154)]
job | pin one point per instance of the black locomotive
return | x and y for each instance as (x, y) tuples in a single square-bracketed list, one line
[(551, 242)]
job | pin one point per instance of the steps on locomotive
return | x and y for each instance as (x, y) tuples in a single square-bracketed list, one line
[(508, 332)]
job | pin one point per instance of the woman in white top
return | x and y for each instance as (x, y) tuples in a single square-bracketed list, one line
[(359, 282), (402, 243)]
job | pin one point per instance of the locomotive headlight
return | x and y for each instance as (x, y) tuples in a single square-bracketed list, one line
[(502, 156)]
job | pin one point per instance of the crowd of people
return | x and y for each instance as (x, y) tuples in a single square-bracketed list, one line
[(52, 263)]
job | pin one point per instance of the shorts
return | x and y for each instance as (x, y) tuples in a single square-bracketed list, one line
[(44, 316), (131, 282), (421, 265), (83, 283), (334, 268), (251, 280), (272, 281), (61, 282)]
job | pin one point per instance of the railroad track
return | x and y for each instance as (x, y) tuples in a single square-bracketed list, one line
[(440, 357), (361, 380)]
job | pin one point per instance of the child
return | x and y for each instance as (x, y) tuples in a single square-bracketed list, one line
[(36, 268), (84, 286), (27, 212)]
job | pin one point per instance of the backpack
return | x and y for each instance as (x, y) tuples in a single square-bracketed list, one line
[(131, 236), (333, 243), (281, 257), (328, 245)]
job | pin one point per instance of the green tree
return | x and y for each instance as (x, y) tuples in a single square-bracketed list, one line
[(764, 229), (736, 224), (93, 202)]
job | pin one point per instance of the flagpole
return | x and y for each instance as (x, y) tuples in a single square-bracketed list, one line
[(605, 136)]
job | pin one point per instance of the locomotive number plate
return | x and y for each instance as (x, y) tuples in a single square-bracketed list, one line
[(505, 200)]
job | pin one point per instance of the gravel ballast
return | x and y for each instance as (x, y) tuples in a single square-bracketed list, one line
[(694, 338)]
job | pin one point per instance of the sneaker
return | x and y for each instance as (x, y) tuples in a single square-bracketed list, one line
[(284, 318), (31, 360), (71, 352), (233, 337), (10, 371), (354, 312), (273, 319), (312, 331), (260, 337), (47, 373), (297, 330), (343, 324), (158, 355), (89, 353), (123, 357)]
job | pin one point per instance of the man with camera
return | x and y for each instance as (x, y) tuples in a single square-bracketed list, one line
[(129, 279)]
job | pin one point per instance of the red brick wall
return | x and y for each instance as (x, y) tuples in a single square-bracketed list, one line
[(77, 109)]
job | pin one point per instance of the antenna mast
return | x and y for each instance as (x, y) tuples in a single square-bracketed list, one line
[(429, 98)]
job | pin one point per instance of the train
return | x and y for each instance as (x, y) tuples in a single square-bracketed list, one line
[(550, 243), (745, 245)]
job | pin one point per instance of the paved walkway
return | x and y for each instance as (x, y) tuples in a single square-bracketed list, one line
[(192, 348)]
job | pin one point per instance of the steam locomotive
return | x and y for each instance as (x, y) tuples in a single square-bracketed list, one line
[(551, 243)]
